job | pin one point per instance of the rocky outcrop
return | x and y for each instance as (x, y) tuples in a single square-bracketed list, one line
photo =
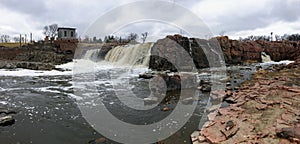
[(165, 81), (36, 57), (26, 65), (104, 50), (250, 51), (204, 52), (174, 52), (42, 57), (265, 111), (282, 50), (7, 116)]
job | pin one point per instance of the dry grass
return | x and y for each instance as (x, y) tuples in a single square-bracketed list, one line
[(11, 45)]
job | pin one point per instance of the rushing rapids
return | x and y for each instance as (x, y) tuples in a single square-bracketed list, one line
[(138, 54)]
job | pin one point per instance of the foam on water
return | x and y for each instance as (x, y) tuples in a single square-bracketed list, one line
[(286, 62), (26, 72)]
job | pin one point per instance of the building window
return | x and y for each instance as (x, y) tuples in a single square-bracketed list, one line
[(65, 33), (72, 34), (59, 34)]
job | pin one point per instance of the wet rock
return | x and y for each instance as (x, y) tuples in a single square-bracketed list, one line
[(26, 65), (97, 141), (229, 125), (289, 133), (7, 111), (166, 109), (201, 139), (230, 100), (236, 88), (205, 88), (146, 76), (173, 81), (230, 133), (150, 100), (7, 120), (228, 84)]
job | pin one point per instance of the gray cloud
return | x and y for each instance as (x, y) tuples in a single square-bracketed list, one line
[(230, 16), (34, 8), (273, 11)]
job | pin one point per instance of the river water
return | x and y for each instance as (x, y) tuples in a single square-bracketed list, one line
[(47, 111), (47, 107)]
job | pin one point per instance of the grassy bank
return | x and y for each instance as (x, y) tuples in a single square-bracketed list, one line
[(11, 44)]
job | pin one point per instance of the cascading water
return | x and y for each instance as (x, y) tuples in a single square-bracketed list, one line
[(91, 55), (130, 55), (265, 57)]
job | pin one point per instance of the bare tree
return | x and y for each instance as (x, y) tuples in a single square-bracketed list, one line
[(132, 37), (16, 39), (50, 30), (144, 36), (5, 38)]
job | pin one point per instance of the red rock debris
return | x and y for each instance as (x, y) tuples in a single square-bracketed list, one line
[(267, 110)]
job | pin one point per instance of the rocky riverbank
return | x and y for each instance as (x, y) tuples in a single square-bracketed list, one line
[(37, 56), (203, 51), (264, 110)]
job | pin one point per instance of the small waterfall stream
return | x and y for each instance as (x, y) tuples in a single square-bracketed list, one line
[(265, 57), (91, 55)]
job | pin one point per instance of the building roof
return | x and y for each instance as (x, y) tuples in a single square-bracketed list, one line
[(66, 28)]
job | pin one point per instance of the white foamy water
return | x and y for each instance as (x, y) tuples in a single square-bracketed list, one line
[(130, 55), (286, 62), (265, 57), (26, 72)]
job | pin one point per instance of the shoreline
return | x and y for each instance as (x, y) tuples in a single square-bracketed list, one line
[(266, 110)]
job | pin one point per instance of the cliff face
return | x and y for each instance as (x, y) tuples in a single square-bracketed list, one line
[(163, 51), (234, 52)]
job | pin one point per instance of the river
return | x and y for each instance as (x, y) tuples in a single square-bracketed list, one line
[(46, 102)]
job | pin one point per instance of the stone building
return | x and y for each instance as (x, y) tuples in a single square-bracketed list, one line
[(66, 33), (66, 40)]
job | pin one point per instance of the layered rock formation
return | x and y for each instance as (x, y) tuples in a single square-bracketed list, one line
[(265, 110), (205, 53), (239, 52), (176, 52), (36, 57)]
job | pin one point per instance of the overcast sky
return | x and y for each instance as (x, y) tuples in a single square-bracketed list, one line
[(237, 18)]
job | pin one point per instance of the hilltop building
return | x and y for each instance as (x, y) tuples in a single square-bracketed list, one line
[(66, 40), (66, 33)]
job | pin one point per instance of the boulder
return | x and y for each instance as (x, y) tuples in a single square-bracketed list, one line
[(6, 120)]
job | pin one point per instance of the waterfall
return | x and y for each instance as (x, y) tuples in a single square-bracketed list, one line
[(265, 57), (91, 55), (129, 55)]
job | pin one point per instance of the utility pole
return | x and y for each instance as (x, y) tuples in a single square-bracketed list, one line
[(30, 37), (20, 40), (25, 38)]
